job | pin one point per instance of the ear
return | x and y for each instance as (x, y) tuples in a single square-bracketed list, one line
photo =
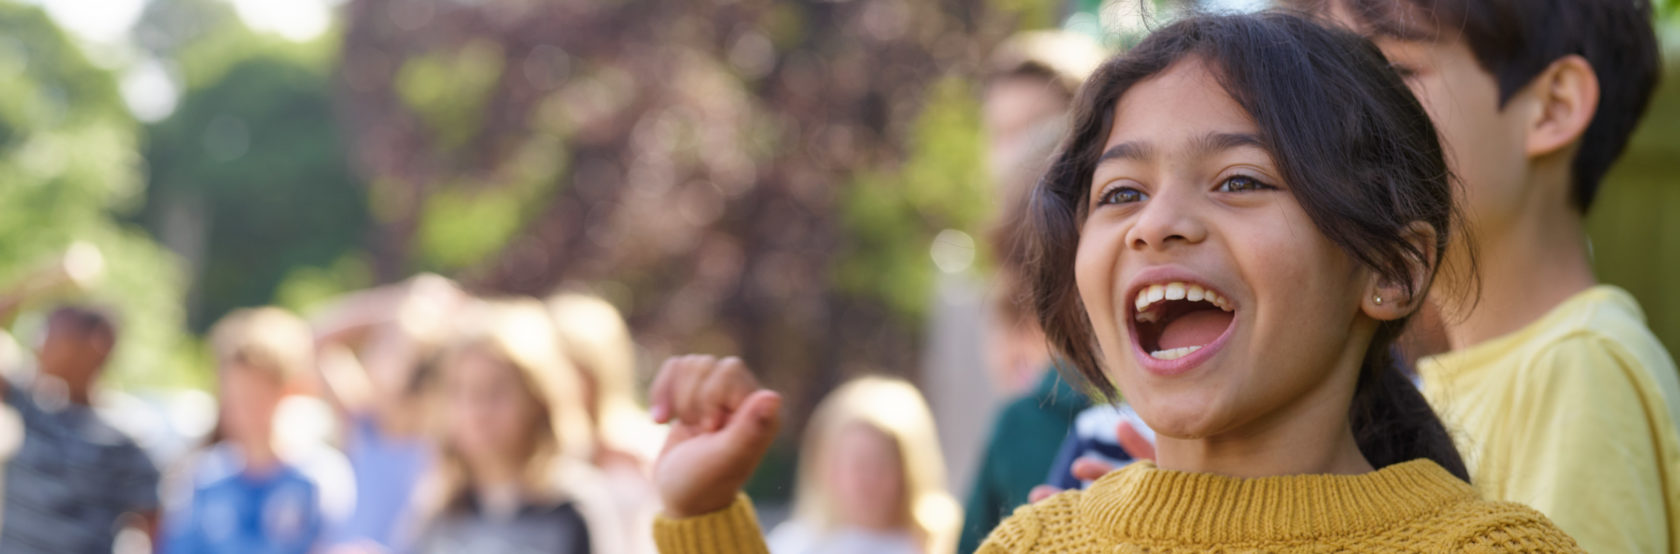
[(1566, 97), (1387, 300)]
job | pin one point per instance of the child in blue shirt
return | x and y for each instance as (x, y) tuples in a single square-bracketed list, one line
[(240, 495)]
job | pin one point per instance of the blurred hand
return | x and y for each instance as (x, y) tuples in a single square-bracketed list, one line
[(1091, 469), (722, 422), (1134, 442)]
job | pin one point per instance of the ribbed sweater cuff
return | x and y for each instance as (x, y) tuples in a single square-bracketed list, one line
[(729, 531)]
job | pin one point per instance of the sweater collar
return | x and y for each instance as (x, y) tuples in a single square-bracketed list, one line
[(1143, 503)]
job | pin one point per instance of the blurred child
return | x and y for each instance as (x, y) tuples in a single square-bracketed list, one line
[(376, 347), (1033, 78), (74, 478), (871, 478), (512, 473), (242, 494), (596, 342)]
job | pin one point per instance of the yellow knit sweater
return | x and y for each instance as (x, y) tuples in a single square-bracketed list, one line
[(1410, 507)]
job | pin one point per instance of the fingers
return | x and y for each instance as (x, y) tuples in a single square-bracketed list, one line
[(700, 391), (753, 427), (1041, 492), (691, 405), (1134, 442), (724, 389), (660, 394), (1090, 469)]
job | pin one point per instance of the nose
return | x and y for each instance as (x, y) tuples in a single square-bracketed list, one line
[(1167, 219)]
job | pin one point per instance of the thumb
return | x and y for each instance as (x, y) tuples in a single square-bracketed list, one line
[(753, 426)]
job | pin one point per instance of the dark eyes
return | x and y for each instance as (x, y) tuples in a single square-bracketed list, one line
[(1121, 195), (1127, 195), (1243, 183)]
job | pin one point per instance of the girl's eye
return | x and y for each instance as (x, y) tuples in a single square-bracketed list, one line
[(1243, 183), (1405, 71), (1121, 195)]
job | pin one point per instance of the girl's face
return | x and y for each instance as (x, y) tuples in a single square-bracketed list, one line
[(1218, 306), (865, 477), (490, 413)]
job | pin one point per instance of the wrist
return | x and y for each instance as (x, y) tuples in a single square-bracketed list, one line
[(699, 508)]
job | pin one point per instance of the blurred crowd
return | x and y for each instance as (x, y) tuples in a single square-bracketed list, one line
[(457, 424), (452, 424), (419, 417)]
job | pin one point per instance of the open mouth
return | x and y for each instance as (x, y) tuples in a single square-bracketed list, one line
[(1177, 319)]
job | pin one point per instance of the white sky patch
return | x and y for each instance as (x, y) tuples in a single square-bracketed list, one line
[(98, 21), (149, 91), (1237, 5), (107, 22), (298, 20)]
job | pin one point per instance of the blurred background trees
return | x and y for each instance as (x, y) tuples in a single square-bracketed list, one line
[(761, 178), (69, 163)]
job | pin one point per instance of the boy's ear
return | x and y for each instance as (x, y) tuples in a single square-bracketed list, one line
[(1565, 98), (1388, 300)]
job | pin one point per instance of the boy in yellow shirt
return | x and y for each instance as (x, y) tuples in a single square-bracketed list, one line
[(1560, 396)]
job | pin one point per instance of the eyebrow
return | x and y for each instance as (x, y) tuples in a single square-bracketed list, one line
[(1202, 146)]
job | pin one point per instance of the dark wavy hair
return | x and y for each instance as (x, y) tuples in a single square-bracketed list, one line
[(1359, 154)]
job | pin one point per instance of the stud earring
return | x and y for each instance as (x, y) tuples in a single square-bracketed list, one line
[(1378, 298)]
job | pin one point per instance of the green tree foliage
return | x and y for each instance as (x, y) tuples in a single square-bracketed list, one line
[(69, 167), (249, 177), (893, 217)]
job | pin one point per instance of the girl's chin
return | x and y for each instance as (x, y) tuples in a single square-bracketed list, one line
[(1180, 423)]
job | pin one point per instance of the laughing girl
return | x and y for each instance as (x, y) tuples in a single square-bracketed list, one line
[(1245, 212)]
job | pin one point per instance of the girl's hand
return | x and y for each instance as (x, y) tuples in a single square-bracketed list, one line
[(722, 422)]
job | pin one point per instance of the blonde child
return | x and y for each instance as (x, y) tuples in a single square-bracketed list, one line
[(871, 478), (513, 443), (597, 343)]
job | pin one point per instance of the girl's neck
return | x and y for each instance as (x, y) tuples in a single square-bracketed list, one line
[(1264, 457), (1311, 436)]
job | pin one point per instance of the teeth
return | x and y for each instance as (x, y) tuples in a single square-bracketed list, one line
[(1174, 353), (1176, 291)]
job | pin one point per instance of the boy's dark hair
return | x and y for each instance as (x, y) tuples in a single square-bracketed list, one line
[(85, 323), (1356, 148), (1515, 40)]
